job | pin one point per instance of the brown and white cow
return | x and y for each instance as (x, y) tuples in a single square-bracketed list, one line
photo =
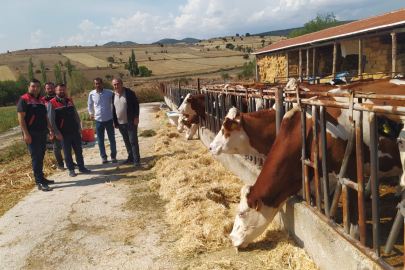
[(246, 133), (189, 123), (281, 175), (193, 104)]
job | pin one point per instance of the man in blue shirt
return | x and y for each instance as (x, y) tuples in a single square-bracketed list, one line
[(100, 99)]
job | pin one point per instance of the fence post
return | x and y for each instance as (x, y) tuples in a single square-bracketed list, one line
[(279, 108)]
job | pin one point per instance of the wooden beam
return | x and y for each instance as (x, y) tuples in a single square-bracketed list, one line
[(360, 59), (276, 65), (257, 69), (300, 65), (313, 65), (307, 71), (394, 53), (334, 60), (287, 68)]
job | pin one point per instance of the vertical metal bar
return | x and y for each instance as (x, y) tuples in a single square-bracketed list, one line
[(360, 72), (324, 147), (198, 86), (334, 60), (394, 53), (360, 175), (316, 157), (217, 122), (375, 182), (346, 213), (279, 108), (224, 108), (207, 119), (303, 147), (300, 65)]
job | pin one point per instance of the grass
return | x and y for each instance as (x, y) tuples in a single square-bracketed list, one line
[(14, 151), (146, 95), (8, 118)]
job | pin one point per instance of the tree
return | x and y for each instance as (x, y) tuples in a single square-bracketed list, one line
[(132, 65), (261, 36), (110, 59), (246, 56), (79, 82), (120, 74), (58, 73), (224, 75), (237, 34), (144, 71), (64, 78), (248, 70), (322, 21), (262, 41), (43, 71), (217, 47), (247, 34), (69, 67), (30, 69), (230, 46)]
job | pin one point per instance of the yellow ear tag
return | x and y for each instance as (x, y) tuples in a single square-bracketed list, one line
[(233, 126), (257, 206), (386, 130)]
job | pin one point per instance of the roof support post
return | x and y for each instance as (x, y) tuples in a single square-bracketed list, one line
[(313, 65), (360, 59), (307, 71), (394, 53), (287, 68), (257, 69), (334, 60), (300, 65), (276, 65)]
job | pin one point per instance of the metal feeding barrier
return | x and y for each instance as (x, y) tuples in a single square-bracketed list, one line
[(219, 99)]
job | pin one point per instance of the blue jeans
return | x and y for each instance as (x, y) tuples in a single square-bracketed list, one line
[(37, 150), (129, 133), (73, 140), (100, 129)]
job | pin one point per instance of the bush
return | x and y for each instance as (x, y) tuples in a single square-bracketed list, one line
[(37, 71), (144, 71), (248, 70), (110, 59), (182, 80), (78, 82), (149, 95), (246, 56)]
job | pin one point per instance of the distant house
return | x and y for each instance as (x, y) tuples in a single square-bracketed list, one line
[(380, 41)]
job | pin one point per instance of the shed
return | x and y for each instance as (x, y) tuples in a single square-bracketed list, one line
[(380, 40)]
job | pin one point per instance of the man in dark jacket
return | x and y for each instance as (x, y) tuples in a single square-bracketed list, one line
[(126, 119), (34, 124), (65, 121)]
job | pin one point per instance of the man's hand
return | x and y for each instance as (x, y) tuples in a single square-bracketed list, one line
[(136, 121), (92, 117), (59, 137), (114, 125), (80, 131), (27, 138), (51, 135)]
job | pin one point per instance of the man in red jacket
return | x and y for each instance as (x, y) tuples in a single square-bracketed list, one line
[(34, 123), (65, 121)]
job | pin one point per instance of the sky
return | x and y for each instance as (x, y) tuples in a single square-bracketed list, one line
[(27, 24)]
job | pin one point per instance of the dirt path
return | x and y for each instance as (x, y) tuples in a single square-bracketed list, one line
[(107, 220)]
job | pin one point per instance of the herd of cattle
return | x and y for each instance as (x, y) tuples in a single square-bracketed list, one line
[(281, 176)]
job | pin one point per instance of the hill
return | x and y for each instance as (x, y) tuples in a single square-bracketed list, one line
[(119, 43), (174, 41), (287, 32)]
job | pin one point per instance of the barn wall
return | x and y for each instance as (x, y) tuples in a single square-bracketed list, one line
[(271, 66)]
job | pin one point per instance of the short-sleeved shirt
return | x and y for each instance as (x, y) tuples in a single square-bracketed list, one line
[(102, 105), (120, 103)]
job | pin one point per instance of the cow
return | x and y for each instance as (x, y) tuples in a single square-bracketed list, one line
[(246, 133), (193, 104), (281, 175), (189, 123)]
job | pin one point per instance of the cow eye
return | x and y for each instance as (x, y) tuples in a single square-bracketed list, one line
[(240, 214)]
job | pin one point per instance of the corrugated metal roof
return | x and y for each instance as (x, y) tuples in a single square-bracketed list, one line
[(386, 20)]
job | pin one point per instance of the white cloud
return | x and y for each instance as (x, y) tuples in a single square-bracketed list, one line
[(37, 39), (89, 35), (2, 35)]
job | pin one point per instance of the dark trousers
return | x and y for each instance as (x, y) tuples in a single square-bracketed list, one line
[(100, 129), (37, 150), (73, 140), (57, 151), (129, 133)]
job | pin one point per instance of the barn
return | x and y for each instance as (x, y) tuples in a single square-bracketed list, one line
[(379, 40)]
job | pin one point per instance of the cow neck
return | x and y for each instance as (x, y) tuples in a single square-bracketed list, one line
[(199, 105), (260, 127), (281, 173)]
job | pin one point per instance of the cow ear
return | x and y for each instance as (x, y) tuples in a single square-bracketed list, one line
[(388, 128), (231, 125)]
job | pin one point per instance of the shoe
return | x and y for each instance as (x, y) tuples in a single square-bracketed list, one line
[(72, 173), (48, 182), (84, 170), (137, 164), (104, 160), (43, 187), (75, 164), (128, 161), (113, 160), (61, 168)]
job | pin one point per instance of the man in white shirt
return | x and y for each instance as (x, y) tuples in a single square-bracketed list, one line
[(100, 100)]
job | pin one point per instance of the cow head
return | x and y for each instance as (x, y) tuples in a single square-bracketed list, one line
[(231, 138), (180, 123), (250, 223), (185, 107)]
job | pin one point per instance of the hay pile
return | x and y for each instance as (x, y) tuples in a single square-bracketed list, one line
[(202, 199)]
